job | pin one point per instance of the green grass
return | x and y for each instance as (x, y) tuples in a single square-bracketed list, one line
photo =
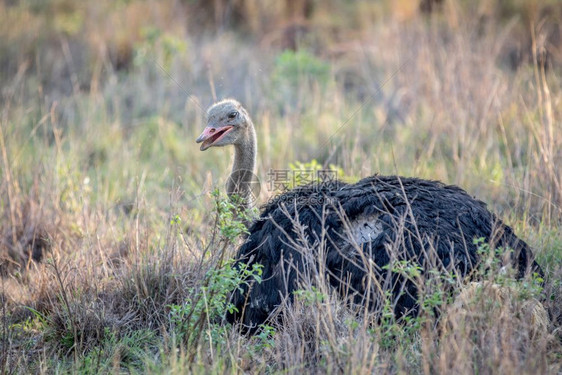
[(101, 105)]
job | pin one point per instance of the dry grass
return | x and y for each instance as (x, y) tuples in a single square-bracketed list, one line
[(100, 102)]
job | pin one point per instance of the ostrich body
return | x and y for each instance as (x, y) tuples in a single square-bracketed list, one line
[(353, 230)]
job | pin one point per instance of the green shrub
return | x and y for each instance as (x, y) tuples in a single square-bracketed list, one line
[(210, 302)]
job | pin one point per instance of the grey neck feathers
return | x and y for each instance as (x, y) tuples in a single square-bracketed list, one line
[(243, 168)]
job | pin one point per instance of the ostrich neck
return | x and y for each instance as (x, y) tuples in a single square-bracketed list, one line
[(244, 164)]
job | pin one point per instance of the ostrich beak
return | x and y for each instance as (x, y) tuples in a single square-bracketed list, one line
[(211, 135)]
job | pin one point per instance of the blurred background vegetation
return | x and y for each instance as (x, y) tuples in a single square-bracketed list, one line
[(462, 91), (101, 101)]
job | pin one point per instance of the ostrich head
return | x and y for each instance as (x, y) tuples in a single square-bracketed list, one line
[(228, 123)]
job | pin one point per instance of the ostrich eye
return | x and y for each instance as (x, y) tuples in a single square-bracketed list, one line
[(232, 115)]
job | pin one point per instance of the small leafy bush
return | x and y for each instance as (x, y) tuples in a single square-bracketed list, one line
[(232, 215), (210, 302)]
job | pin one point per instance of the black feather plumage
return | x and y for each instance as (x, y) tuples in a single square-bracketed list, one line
[(401, 218)]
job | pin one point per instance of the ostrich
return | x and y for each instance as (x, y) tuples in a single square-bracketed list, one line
[(355, 230)]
